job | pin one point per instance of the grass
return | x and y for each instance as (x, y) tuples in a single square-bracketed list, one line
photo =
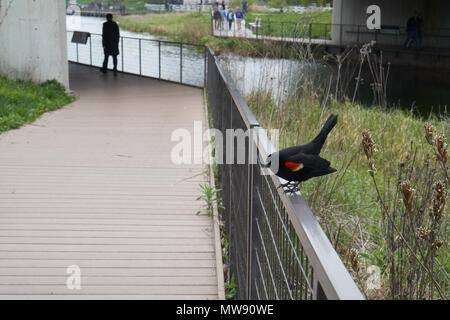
[(22, 102), (196, 28), (185, 27), (293, 25)]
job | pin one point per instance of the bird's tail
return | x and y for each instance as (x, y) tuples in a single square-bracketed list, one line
[(327, 127)]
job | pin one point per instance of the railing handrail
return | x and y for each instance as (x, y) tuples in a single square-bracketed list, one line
[(146, 39), (333, 276)]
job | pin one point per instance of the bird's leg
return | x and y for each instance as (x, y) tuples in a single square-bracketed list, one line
[(291, 187)]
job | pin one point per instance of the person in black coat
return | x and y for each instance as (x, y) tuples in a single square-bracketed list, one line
[(111, 37)]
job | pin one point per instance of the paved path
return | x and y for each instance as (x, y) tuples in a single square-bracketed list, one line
[(93, 185)]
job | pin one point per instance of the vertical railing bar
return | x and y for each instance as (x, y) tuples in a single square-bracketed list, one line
[(205, 63), (90, 50), (140, 57), (123, 53), (310, 32), (262, 275), (181, 62), (249, 208), (77, 52), (159, 57)]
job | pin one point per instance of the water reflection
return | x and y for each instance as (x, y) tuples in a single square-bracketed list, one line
[(407, 88)]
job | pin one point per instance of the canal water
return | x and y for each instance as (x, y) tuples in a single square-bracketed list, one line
[(424, 91)]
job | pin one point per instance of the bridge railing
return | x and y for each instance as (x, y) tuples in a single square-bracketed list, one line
[(178, 62), (277, 249), (325, 33)]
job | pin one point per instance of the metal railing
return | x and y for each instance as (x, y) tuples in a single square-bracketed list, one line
[(178, 62), (277, 248), (323, 33)]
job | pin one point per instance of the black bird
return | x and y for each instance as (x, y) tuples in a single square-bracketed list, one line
[(300, 163)]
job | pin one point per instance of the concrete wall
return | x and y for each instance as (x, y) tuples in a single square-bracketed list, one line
[(33, 43), (353, 12)]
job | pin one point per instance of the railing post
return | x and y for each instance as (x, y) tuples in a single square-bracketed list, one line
[(310, 32), (140, 58), (121, 44), (77, 51), (181, 62), (159, 57), (252, 159), (205, 65), (90, 49)]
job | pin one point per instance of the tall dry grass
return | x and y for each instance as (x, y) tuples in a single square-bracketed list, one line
[(347, 203)]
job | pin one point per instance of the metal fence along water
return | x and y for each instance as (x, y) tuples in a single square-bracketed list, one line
[(166, 60)]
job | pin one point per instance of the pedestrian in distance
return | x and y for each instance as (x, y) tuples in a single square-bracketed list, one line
[(217, 16), (245, 6), (111, 37), (412, 29), (223, 5), (223, 17), (239, 17), (230, 18)]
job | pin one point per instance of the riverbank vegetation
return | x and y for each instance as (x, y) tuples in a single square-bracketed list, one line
[(386, 213), (22, 102), (196, 28)]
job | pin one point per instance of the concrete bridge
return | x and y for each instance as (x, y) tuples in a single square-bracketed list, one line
[(349, 28)]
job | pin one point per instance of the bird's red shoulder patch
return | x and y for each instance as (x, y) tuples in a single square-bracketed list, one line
[(293, 166)]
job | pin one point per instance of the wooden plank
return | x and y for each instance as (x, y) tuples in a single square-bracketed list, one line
[(118, 234), (88, 210), (113, 281), (105, 241), (109, 290), (175, 216), (106, 248), (63, 255), (111, 271), (104, 222), (125, 263), (87, 227)]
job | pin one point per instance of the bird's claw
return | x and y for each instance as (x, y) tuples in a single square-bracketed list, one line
[(290, 187)]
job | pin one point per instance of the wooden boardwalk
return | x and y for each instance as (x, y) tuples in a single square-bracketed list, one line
[(93, 185)]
